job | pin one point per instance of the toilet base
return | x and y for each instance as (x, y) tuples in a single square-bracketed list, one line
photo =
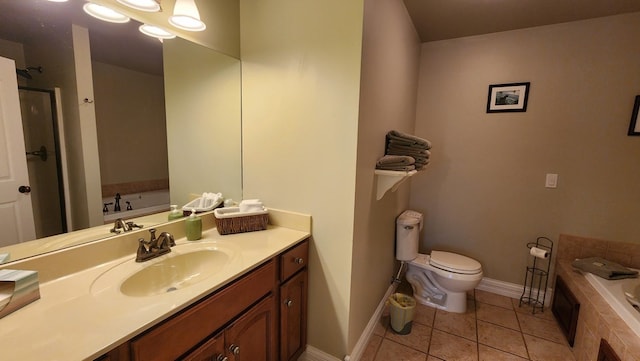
[(456, 302)]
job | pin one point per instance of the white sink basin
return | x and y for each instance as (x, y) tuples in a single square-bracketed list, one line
[(186, 265)]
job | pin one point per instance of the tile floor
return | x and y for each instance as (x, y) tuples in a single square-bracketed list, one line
[(494, 328)]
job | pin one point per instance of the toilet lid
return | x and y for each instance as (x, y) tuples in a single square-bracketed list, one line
[(454, 262)]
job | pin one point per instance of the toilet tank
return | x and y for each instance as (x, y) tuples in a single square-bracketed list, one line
[(408, 226)]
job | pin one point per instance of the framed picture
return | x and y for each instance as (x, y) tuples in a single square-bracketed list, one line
[(508, 97), (634, 126)]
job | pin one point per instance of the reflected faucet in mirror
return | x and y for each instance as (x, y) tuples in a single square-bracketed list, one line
[(121, 226), (154, 247)]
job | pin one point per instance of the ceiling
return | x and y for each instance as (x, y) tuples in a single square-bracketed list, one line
[(117, 44), (448, 19)]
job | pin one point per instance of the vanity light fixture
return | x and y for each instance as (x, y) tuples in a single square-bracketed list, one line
[(151, 6), (186, 16), (104, 13), (155, 31)]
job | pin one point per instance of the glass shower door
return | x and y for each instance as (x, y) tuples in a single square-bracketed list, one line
[(40, 128)]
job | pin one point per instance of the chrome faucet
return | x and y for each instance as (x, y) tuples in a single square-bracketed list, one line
[(154, 247), (120, 225)]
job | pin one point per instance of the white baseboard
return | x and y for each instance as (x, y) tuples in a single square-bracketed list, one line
[(511, 290), (363, 341), (313, 354)]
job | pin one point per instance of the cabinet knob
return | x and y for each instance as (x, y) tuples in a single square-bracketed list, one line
[(221, 358), (298, 260), (234, 349), (288, 303)]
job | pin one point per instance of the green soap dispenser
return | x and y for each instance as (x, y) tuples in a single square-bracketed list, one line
[(175, 213), (193, 226)]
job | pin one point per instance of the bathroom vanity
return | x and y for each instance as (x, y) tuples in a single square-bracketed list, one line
[(252, 305)]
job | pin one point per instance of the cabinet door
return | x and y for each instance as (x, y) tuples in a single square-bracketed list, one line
[(253, 336), (212, 350), (293, 317)]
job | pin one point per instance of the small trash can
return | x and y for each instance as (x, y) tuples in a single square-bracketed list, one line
[(401, 309)]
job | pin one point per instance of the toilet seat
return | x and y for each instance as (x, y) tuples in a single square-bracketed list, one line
[(454, 262)]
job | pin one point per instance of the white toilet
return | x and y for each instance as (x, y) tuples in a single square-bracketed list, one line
[(440, 279)]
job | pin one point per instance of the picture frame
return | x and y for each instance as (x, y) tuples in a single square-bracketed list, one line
[(634, 125), (510, 97)]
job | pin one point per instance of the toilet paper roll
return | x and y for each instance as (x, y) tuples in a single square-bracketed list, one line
[(538, 252)]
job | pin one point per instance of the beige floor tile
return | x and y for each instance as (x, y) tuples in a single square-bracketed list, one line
[(487, 353), (450, 347), (501, 338), (493, 299), (460, 324), (543, 350), (372, 347), (547, 329), (390, 350), (544, 314), (497, 315), (424, 314), (433, 358), (381, 326), (417, 339)]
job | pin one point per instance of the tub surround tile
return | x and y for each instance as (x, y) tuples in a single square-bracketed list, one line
[(597, 319), (543, 350), (501, 338)]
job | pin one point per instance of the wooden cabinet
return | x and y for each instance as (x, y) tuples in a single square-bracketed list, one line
[(249, 338), (606, 353), (565, 308), (293, 302), (262, 316)]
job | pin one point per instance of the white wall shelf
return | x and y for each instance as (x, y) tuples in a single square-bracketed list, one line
[(390, 179)]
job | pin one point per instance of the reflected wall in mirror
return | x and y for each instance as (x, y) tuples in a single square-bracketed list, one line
[(125, 114)]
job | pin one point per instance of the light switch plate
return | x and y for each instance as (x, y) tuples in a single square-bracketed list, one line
[(551, 180)]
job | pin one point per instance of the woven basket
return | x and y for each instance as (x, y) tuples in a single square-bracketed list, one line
[(242, 224)]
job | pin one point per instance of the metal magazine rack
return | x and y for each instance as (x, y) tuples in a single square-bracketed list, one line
[(537, 276)]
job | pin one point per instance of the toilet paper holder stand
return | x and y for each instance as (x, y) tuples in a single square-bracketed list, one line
[(536, 277)]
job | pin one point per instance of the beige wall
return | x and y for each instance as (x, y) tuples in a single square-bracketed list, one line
[(483, 194), (389, 82), (202, 95), (130, 115), (301, 83)]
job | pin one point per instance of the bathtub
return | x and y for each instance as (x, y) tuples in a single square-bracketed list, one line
[(613, 293), (142, 203)]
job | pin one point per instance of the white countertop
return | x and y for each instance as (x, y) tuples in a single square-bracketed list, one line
[(70, 322)]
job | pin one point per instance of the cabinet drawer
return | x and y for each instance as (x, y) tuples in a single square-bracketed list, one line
[(182, 332), (294, 260)]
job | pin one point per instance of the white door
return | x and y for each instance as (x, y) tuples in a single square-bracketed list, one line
[(16, 216)]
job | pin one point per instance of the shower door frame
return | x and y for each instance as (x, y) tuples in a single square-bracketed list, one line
[(59, 150)]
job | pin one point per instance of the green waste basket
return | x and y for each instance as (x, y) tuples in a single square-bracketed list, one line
[(401, 309)]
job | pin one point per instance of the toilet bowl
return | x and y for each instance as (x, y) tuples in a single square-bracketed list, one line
[(442, 279)]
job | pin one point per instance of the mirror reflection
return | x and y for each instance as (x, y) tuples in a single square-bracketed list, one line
[(116, 124)]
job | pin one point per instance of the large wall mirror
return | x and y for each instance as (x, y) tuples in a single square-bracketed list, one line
[(113, 116)]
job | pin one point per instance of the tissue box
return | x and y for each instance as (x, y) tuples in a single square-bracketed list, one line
[(230, 220), (17, 289)]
